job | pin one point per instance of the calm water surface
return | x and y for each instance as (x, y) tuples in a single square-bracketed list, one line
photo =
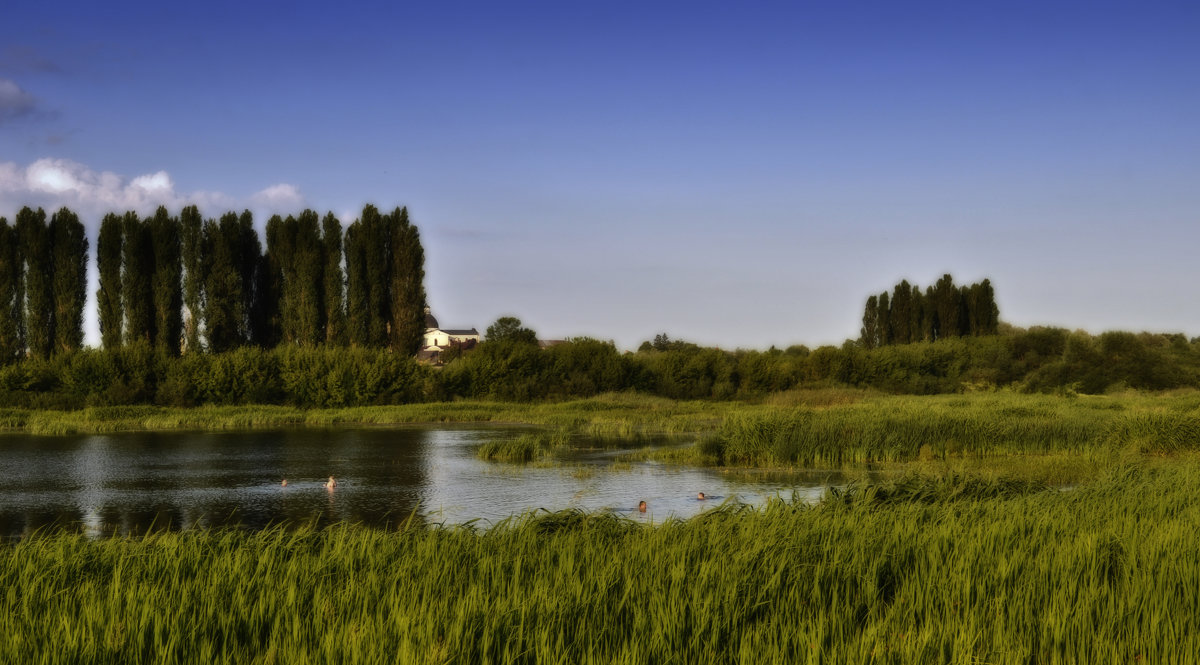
[(129, 483)]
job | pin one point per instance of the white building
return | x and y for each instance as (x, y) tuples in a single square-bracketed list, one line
[(437, 338)]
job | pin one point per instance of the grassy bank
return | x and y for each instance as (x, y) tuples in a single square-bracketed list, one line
[(955, 570), (827, 428), (617, 415)]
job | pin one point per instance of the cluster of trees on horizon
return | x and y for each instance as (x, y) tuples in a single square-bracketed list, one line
[(183, 284), (941, 311), (510, 365)]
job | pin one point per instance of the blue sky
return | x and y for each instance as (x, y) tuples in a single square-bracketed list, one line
[(737, 176)]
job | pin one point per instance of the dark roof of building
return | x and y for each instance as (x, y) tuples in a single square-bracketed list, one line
[(430, 322), (472, 331)]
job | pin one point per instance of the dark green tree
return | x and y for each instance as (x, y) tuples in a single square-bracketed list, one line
[(248, 256), (191, 228), (901, 316), (948, 303), (274, 307), (509, 329), (916, 321), (377, 255), (108, 297), (333, 281), (407, 284), (988, 316), (37, 252), (11, 347), (885, 319), (929, 316), (281, 247), (869, 334), (168, 284), (70, 250), (224, 302), (368, 283), (137, 291), (357, 311), (307, 277)]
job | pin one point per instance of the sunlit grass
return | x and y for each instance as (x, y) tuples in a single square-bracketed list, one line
[(950, 568)]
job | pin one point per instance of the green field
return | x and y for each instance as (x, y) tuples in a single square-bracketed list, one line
[(931, 570), (1016, 529)]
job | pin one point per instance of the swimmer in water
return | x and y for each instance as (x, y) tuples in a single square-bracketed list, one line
[(700, 496), (331, 484), (284, 483), (641, 506)]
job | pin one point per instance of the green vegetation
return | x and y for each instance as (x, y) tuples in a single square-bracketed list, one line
[(901, 429), (183, 284), (1055, 437), (941, 312), (949, 569)]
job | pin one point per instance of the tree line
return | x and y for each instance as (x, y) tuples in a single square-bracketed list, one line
[(941, 311), (513, 367), (184, 284), (43, 284)]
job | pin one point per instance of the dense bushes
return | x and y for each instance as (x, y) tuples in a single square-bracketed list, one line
[(1040, 359)]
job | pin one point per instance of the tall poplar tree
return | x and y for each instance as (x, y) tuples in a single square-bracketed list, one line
[(869, 334), (108, 297), (137, 279), (269, 288), (191, 229), (916, 314), (281, 246), (377, 255), (885, 319), (70, 250), (929, 316), (249, 257), (307, 273), (333, 281), (36, 251), (407, 284), (901, 317), (167, 280), (989, 316), (357, 309), (224, 311), (948, 304), (11, 347)]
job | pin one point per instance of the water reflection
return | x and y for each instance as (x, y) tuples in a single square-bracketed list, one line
[(132, 483)]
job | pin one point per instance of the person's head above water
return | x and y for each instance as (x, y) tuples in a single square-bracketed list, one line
[(700, 496), (641, 506), (332, 483)]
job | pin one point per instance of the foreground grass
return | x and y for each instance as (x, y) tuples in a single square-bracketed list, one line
[(949, 570)]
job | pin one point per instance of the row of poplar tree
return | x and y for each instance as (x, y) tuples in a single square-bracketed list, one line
[(43, 283), (184, 283), (941, 311)]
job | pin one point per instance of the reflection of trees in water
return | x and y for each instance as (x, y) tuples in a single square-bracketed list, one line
[(132, 484)]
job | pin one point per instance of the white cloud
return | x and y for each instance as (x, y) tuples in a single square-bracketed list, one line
[(158, 182), (14, 102), (52, 183), (282, 198)]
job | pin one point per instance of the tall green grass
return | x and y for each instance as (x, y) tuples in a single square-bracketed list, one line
[(898, 429), (945, 571)]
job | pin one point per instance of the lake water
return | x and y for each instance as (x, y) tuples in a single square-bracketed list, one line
[(130, 483)]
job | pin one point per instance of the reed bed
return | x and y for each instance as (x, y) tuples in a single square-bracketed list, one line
[(918, 571), (617, 415), (901, 429)]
